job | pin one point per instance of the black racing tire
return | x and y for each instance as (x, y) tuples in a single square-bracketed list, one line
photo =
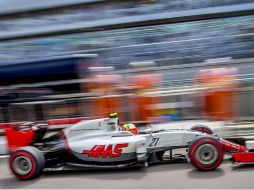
[(206, 153), (27, 163), (202, 128)]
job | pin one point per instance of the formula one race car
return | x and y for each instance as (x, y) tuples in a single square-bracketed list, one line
[(104, 143)]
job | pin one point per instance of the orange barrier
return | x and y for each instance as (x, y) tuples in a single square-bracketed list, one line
[(106, 87), (142, 107), (106, 105)]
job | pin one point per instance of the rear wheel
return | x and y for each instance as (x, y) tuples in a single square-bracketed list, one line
[(206, 153), (26, 163)]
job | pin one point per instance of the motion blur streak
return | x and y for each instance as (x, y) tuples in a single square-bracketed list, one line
[(72, 60)]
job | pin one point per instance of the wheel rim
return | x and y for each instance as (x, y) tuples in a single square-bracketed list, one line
[(207, 154), (22, 165)]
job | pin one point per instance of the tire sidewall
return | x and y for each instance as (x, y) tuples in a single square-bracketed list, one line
[(36, 158), (199, 142), (30, 157)]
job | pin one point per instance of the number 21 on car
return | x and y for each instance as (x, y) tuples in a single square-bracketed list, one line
[(154, 142)]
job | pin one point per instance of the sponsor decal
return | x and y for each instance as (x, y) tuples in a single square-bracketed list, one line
[(106, 151), (227, 143)]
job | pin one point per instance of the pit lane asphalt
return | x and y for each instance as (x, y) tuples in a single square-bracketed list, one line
[(158, 177)]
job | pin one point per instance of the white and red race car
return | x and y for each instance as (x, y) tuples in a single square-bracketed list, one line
[(102, 143)]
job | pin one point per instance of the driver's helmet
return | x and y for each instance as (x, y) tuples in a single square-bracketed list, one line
[(130, 127)]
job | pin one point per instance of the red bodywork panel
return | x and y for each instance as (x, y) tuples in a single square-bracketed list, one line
[(9, 125), (17, 139), (232, 147), (239, 153), (66, 143), (247, 157)]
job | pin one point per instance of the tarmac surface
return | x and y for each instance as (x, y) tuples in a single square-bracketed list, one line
[(158, 177)]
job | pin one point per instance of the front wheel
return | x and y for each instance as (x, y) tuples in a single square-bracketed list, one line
[(26, 163), (206, 153)]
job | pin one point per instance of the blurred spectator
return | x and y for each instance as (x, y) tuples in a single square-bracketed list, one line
[(105, 85), (145, 80), (220, 86)]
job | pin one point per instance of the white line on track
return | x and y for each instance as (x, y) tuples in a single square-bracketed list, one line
[(4, 156)]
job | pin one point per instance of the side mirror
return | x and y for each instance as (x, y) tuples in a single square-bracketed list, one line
[(149, 129)]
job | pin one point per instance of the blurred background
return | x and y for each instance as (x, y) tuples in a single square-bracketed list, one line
[(149, 60)]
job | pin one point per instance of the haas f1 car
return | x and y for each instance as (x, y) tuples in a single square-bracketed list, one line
[(104, 143)]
